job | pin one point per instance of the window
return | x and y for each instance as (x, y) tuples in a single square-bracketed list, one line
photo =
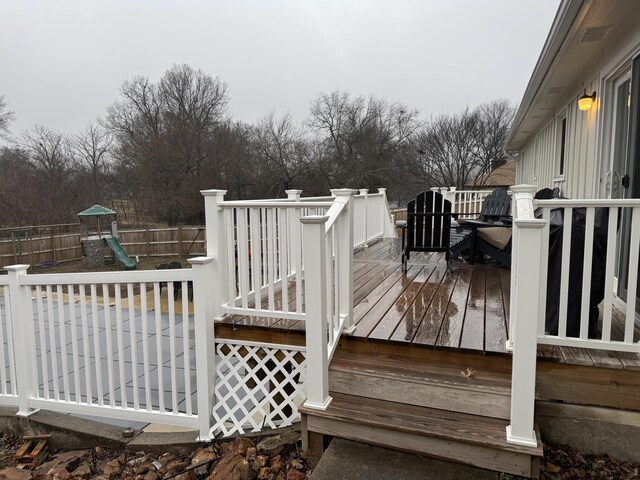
[(562, 143)]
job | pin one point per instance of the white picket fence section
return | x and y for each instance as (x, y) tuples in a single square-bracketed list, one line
[(586, 226)]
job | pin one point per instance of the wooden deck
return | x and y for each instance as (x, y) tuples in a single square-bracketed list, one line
[(466, 310)]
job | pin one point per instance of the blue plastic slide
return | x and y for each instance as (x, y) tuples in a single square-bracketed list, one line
[(120, 253)]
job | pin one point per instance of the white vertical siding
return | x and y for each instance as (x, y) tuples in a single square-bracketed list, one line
[(538, 163)]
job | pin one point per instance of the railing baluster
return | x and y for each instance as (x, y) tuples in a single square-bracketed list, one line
[(120, 343), (108, 333), (609, 274), (53, 343), (271, 254), (63, 343), (256, 257), (544, 261), (133, 337), (564, 274), (283, 255), (96, 343), (157, 306), (243, 257), (85, 344), (586, 273), (74, 343), (186, 357), (172, 348), (231, 256), (144, 317), (632, 276)]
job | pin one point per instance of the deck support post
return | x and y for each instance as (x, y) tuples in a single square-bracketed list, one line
[(526, 309), (205, 342), (365, 193), (344, 260), (315, 290), (23, 338), (215, 236)]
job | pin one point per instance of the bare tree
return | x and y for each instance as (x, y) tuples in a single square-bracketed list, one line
[(459, 149), (6, 117), (164, 134), (282, 152), (48, 153), (366, 138), (90, 150)]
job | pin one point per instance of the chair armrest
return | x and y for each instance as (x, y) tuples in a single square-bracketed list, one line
[(401, 224)]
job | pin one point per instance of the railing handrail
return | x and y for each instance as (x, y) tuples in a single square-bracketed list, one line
[(334, 212), (273, 204), (86, 278), (590, 202)]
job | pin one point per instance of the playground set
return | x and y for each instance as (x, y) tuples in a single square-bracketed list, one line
[(94, 242)]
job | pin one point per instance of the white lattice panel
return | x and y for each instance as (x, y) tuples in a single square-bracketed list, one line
[(257, 386)]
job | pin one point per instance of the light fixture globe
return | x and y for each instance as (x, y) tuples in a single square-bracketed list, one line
[(586, 101)]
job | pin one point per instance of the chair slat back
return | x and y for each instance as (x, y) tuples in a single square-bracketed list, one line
[(496, 204), (428, 221)]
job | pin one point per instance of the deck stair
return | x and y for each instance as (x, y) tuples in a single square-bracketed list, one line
[(458, 414)]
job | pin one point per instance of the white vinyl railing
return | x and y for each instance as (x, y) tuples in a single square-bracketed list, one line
[(112, 344), (566, 266), (466, 203), (106, 344)]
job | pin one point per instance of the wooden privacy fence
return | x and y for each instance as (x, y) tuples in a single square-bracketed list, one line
[(32, 245)]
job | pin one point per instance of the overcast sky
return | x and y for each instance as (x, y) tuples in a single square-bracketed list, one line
[(62, 62)]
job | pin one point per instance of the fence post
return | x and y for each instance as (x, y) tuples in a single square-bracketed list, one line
[(344, 264), (365, 193), (205, 342), (525, 288), (315, 290), (215, 239), (23, 338)]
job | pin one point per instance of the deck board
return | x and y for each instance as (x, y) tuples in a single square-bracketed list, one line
[(473, 331), (466, 309), (453, 321)]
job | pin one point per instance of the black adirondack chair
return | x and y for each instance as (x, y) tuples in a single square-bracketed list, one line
[(428, 226), (495, 241)]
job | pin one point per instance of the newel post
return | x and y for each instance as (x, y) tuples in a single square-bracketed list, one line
[(388, 225), (205, 342), (525, 312), (365, 193), (344, 261), (216, 247), (24, 346), (315, 290)]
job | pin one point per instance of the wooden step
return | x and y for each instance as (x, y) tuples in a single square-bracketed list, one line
[(459, 437), (470, 389)]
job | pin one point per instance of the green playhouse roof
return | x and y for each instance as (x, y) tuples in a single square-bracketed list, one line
[(97, 211)]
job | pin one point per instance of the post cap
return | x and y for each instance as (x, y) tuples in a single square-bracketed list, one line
[(523, 188), (212, 192), (17, 268)]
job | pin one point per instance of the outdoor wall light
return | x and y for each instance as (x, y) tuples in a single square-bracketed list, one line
[(586, 101)]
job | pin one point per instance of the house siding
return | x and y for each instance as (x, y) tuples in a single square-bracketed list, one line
[(587, 154)]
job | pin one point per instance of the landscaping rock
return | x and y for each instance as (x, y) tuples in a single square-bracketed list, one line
[(296, 475), (233, 466), (83, 471), (12, 473), (276, 444), (58, 473)]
